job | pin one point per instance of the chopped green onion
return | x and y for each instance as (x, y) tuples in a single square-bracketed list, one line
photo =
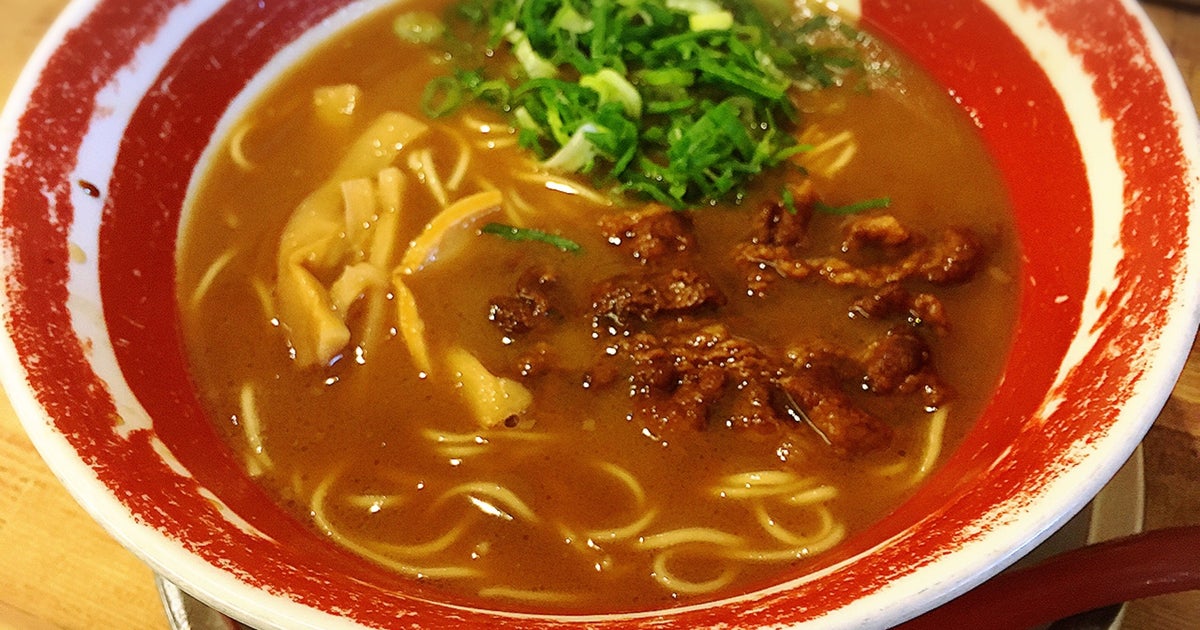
[(614, 88), (535, 66), (511, 233), (854, 208), (570, 20), (680, 101), (789, 201), (576, 154), (715, 21), (442, 96)]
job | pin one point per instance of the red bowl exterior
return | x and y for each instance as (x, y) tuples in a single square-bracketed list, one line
[(1021, 443)]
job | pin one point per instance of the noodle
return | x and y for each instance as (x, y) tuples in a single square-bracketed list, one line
[(321, 520), (464, 162), (237, 150), (437, 545), (513, 506), (690, 535), (931, 448), (421, 164), (563, 185), (626, 532), (252, 425), (526, 595), (760, 484), (831, 154), (210, 276), (663, 575), (778, 532)]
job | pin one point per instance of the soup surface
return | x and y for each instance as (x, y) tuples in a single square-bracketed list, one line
[(496, 377)]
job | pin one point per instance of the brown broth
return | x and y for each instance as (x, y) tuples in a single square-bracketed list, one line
[(362, 432)]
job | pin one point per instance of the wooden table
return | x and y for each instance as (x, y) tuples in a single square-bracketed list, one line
[(58, 569)]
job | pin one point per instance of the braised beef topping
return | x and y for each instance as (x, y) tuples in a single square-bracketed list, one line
[(952, 258), (640, 297), (883, 231), (649, 234), (777, 224), (695, 376), (529, 305), (900, 362), (893, 300), (820, 400), (683, 374), (677, 379)]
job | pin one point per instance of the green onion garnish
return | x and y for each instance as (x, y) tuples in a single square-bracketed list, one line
[(511, 233), (854, 208), (680, 101)]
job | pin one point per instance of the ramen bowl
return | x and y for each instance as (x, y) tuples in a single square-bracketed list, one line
[(1077, 103)]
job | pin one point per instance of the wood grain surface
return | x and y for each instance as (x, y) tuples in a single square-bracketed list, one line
[(58, 569)]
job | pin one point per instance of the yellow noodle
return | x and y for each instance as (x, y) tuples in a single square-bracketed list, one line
[(931, 449), (263, 293), (494, 491), (297, 484), (563, 185), (317, 509), (492, 143), (627, 479), (788, 537), (526, 595), (479, 125), (253, 465), (820, 494), (516, 208), (760, 478), (431, 547), (251, 424), (625, 532), (933, 442), (462, 164), (892, 469), (455, 451), (237, 150), (669, 580), (690, 535), (817, 546), (463, 445), (830, 155), (421, 164), (380, 501), (759, 484), (210, 277), (484, 183)]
